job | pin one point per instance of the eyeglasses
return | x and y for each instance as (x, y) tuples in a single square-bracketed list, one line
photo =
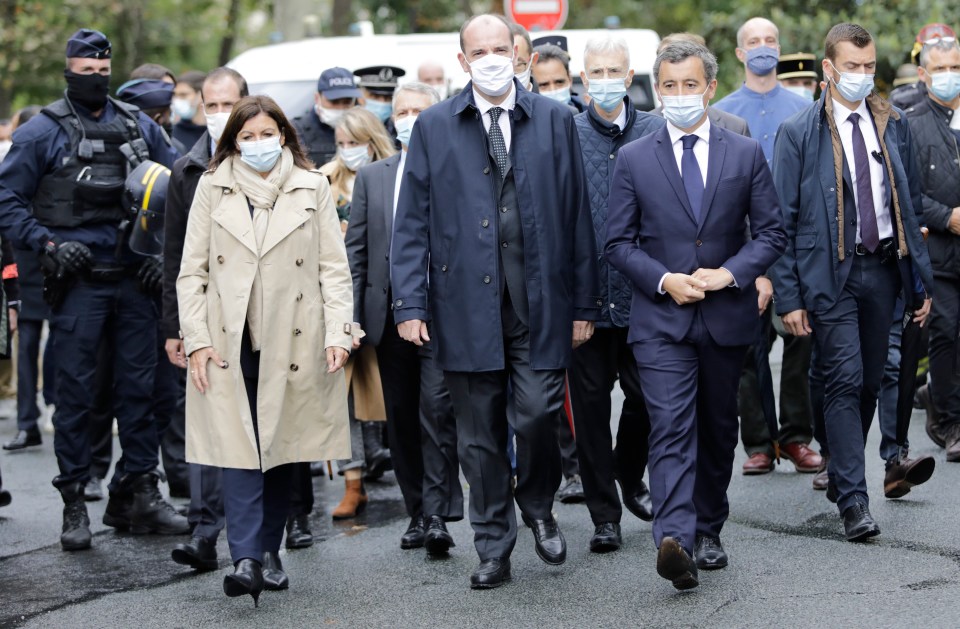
[(933, 41)]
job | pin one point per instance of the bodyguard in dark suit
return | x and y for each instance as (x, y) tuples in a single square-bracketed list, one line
[(494, 209), (854, 240), (420, 420), (677, 228)]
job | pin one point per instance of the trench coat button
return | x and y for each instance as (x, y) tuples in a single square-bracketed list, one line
[(486, 279), (299, 261), (699, 243), (294, 368), (504, 244), (220, 259), (486, 170), (613, 156), (297, 332), (299, 296), (223, 329), (398, 303), (484, 223), (504, 209), (443, 268)]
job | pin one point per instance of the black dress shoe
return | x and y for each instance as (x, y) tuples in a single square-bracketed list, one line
[(606, 538), (437, 539), (378, 464), (571, 491), (490, 573), (5, 498), (93, 490), (199, 553), (413, 538), (247, 578), (24, 439), (710, 553), (858, 524), (548, 540), (298, 532), (675, 565), (274, 578), (640, 503)]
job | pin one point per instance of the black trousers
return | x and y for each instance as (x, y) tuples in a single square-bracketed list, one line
[(944, 322), (480, 403), (597, 365)]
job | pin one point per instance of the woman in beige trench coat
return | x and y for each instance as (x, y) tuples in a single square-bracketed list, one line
[(266, 307)]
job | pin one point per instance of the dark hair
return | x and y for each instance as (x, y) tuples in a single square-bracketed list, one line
[(550, 52), (153, 71), (495, 16), (517, 30), (193, 78), (218, 74), (853, 33), (249, 107)]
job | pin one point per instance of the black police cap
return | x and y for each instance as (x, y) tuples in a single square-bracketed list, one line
[(379, 79), (89, 44)]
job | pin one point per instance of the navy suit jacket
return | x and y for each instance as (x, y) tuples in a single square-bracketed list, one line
[(651, 230)]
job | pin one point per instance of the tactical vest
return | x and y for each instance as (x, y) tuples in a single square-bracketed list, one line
[(87, 186), (316, 138)]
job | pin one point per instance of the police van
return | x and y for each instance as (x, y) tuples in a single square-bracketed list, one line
[(288, 72)]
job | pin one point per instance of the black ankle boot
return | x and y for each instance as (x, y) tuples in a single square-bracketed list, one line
[(274, 578), (76, 523), (150, 513), (247, 578), (377, 457)]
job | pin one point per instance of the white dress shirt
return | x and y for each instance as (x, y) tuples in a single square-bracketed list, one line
[(845, 127), (504, 120), (396, 186), (701, 150), (621, 120)]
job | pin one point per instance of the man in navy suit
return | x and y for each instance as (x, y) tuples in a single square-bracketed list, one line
[(680, 202)]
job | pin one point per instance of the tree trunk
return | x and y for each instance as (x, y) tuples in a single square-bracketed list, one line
[(342, 13), (230, 33)]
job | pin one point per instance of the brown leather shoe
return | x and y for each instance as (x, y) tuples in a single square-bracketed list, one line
[(821, 480), (933, 426), (353, 503), (803, 458), (906, 474), (759, 463), (952, 434)]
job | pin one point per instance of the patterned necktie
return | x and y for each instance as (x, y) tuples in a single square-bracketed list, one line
[(869, 232), (497, 142), (692, 177)]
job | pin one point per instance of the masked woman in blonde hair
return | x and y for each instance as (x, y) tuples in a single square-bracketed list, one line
[(266, 305)]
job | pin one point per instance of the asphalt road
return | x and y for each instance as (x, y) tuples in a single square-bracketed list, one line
[(789, 566)]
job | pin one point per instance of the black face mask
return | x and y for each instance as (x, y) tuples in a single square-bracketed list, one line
[(87, 90)]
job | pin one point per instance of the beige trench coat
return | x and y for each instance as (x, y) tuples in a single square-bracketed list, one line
[(307, 297)]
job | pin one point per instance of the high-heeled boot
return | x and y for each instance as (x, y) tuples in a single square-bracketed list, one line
[(247, 578), (274, 578), (354, 501)]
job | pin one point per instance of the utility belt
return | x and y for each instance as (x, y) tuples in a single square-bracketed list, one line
[(887, 250), (56, 286), (107, 274)]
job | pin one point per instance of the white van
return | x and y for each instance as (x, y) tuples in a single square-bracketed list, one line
[(288, 72)]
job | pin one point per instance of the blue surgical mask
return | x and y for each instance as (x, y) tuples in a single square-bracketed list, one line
[(683, 111), (261, 155), (183, 108), (800, 90), (607, 93), (853, 86), (945, 85), (762, 60), (378, 109), (561, 95), (404, 128)]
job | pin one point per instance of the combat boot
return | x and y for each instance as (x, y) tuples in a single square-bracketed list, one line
[(76, 522), (150, 512), (119, 507)]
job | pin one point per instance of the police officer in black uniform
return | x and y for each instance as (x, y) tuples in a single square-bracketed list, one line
[(336, 93), (61, 194), (378, 83)]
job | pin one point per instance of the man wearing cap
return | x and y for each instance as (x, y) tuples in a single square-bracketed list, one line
[(908, 95), (336, 93), (153, 98), (61, 195), (797, 73), (377, 84)]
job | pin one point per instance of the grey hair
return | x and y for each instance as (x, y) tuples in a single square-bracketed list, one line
[(941, 45), (419, 88), (606, 45), (682, 50)]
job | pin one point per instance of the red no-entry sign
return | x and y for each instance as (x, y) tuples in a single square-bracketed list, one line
[(537, 15)]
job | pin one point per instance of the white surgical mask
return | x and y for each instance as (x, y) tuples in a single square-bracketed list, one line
[(329, 117), (404, 128), (261, 155), (683, 111), (183, 108), (492, 74), (355, 157), (4, 148), (800, 90), (561, 95), (216, 123), (853, 86), (524, 77), (443, 90)]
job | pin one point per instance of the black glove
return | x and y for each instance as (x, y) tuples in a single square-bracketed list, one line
[(72, 257), (151, 275)]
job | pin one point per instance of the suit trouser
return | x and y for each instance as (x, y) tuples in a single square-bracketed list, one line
[(205, 513), (796, 415), (480, 403), (817, 394), (944, 322), (170, 417), (255, 502), (28, 372), (442, 491), (691, 393), (596, 366), (852, 339), (569, 462), (890, 389)]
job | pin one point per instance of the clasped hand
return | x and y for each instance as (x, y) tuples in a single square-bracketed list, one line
[(687, 289)]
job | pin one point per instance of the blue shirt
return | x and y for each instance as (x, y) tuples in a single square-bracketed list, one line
[(764, 113), (39, 146)]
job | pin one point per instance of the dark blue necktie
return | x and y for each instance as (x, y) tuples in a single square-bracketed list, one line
[(869, 232), (692, 177)]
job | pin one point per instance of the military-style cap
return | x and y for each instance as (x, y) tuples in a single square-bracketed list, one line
[(146, 93), (560, 41), (89, 44), (800, 65), (930, 33), (337, 83), (380, 80)]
